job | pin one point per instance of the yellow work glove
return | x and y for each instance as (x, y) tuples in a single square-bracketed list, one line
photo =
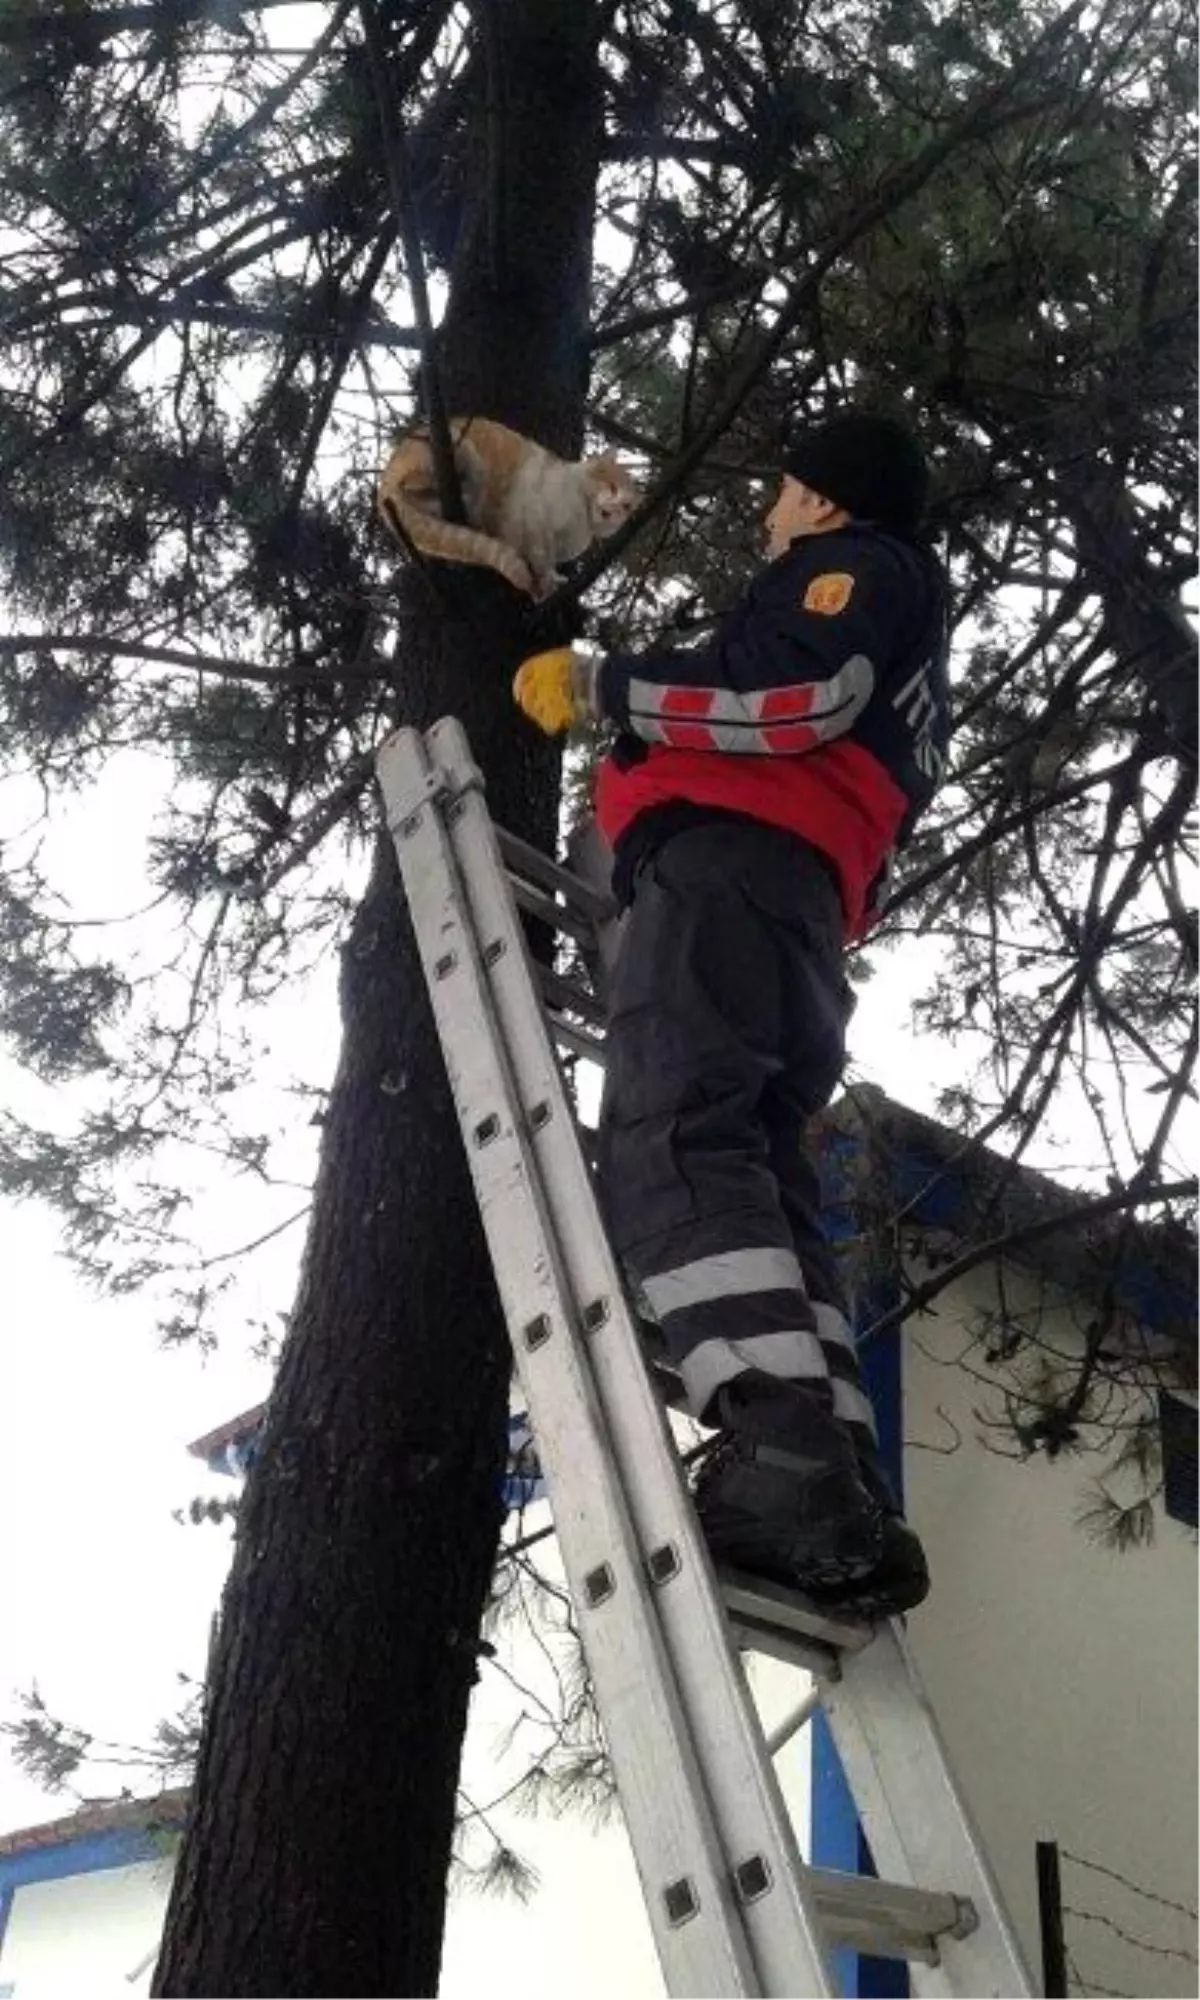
[(558, 689)]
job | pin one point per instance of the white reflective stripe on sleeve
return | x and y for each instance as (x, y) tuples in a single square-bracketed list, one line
[(759, 722), (645, 696), (724, 1275), (796, 1356), (646, 727), (798, 701)]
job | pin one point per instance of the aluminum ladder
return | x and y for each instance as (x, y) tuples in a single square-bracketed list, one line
[(733, 1908)]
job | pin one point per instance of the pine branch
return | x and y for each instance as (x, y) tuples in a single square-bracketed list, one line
[(611, 332), (165, 656), (895, 188), (399, 175), (316, 824), (103, 22), (314, 330), (1122, 1201)]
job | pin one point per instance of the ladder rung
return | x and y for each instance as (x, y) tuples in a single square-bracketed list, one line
[(540, 903), (568, 995), (788, 1626), (530, 863), (583, 1042), (889, 1918)]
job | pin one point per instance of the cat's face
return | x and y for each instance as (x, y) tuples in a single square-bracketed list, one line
[(612, 495)]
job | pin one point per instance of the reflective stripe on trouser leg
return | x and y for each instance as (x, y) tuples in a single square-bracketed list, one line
[(736, 1309), (850, 1400)]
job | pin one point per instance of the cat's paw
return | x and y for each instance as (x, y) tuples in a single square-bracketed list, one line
[(521, 577)]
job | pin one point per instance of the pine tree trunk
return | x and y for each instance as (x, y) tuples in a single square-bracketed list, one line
[(315, 1861)]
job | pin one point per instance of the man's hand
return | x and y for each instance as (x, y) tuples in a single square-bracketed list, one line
[(557, 689)]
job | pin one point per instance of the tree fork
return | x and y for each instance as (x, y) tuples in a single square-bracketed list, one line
[(316, 1855)]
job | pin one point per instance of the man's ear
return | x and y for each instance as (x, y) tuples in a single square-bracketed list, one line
[(831, 510)]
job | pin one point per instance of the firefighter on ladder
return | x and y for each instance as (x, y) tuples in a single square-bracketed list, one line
[(755, 791)]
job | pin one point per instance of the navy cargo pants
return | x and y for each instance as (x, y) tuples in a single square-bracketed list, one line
[(726, 1032)]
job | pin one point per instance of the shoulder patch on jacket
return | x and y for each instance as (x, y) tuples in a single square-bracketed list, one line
[(829, 593)]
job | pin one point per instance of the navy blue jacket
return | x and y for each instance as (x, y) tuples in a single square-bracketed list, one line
[(821, 704)]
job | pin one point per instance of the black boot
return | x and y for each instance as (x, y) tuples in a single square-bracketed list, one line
[(900, 1578), (780, 1495)]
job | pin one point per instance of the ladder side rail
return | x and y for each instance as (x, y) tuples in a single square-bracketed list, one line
[(892, 1751), (757, 1834), (700, 1934)]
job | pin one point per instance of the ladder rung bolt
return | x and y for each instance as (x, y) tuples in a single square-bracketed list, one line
[(487, 1129), (445, 966), (410, 825), (594, 1315), (753, 1878), (537, 1333), (663, 1563), (494, 952), (680, 1901), (539, 1116), (456, 811), (599, 1584)]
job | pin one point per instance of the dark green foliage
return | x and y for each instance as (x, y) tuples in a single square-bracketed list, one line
[(55, 1752)]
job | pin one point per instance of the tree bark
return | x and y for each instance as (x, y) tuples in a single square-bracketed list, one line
[(316, 1856)]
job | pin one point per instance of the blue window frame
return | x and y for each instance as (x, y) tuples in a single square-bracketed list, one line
[(1177, 1426)]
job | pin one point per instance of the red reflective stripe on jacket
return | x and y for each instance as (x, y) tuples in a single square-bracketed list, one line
[(686, 701), (688, 735), (839, 798), (784, 704)]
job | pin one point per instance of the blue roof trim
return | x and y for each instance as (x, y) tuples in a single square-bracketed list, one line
[(937, 1197), (115, 1847)]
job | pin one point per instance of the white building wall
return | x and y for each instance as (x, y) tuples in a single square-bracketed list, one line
[(1064, 1675), (84, 1935)]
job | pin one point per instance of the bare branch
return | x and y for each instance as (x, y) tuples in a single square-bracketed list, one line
[(395, 153), (366, 667), (611, 332), (1123, 1200)]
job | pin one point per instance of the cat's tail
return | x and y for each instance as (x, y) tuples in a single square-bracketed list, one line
[(451, 540)]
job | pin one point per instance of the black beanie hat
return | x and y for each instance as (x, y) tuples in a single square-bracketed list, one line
[(871, 466)]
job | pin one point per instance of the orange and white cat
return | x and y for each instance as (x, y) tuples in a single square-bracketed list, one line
[(527, 509)]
